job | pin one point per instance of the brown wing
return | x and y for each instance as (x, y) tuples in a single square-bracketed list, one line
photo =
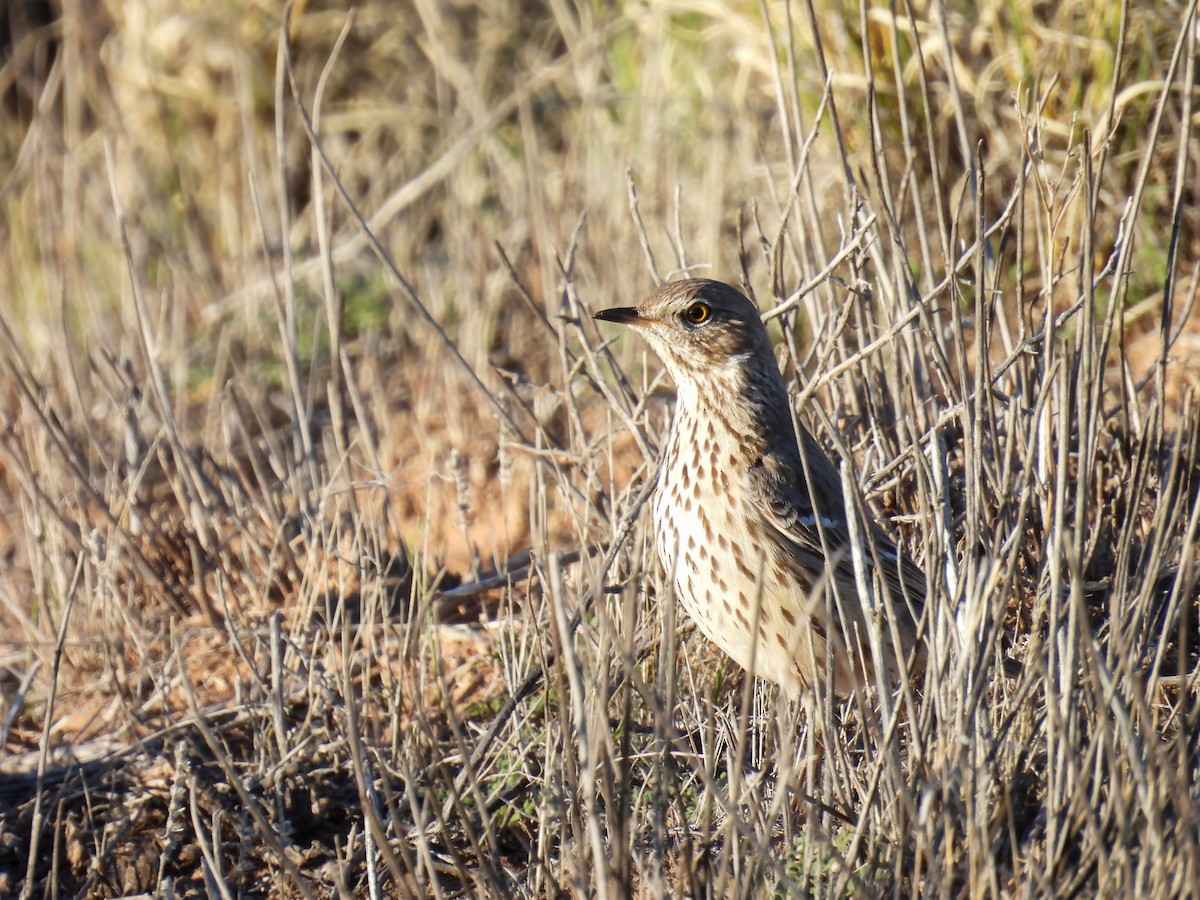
[(798, 516)]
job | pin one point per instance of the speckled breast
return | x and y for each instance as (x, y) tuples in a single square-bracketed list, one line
[(726, 580)]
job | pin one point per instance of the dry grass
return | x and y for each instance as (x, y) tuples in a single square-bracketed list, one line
[(326, 567)]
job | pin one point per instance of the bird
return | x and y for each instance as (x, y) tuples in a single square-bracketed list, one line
[(749, 516)]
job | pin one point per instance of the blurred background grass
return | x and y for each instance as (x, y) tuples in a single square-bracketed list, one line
[(468, 127)]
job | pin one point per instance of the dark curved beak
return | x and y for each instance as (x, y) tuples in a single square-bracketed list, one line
[(622, 315)]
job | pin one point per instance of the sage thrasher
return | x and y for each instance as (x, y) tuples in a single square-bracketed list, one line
[(750, 523)]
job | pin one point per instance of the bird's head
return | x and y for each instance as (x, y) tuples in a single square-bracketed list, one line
[(702, 330)]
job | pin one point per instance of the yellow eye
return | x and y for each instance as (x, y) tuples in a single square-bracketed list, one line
[(698, 313)]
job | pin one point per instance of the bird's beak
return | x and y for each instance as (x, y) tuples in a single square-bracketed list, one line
[(622, 315)]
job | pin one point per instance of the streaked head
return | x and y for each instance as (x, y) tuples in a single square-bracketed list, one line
[(700, 329)]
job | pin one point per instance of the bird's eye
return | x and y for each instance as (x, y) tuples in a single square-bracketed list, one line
[(698, 313)]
